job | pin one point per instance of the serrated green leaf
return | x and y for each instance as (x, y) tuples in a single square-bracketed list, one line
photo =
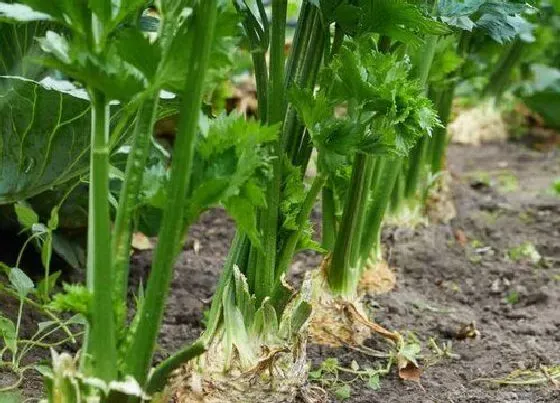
[(330, 365), (368, 104), (20, 282), (398, 19), (75, 299)]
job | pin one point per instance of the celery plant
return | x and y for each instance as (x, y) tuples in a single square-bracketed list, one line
[(385, 116), (501, 22), (102, 52), (253, 306)]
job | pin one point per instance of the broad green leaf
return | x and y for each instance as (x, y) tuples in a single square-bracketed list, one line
[(18, 48), (8, 333), (44, 138), (499, 19), (21, 282), (72, 13), (25, 215)]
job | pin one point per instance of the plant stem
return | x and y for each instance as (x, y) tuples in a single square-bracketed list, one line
[(381, 194), (502, 71), (343, 272), (328, 218), (417, 158), (439, 139), (139, 356), (158, 379), (18, 324), (130, 191), (443, 105), (266, 259), (101, 351)]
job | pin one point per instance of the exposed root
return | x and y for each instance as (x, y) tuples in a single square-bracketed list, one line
[(278, 375), (337, 321), (439, 201), (378, 278)]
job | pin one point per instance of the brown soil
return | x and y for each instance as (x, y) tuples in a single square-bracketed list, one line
[(448, 275)]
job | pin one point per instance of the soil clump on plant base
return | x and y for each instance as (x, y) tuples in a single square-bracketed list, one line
[(480, 268)]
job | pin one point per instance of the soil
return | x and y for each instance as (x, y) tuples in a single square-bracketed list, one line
[(448, 275)]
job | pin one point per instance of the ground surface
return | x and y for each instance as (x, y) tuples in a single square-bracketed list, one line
[(448, 275)]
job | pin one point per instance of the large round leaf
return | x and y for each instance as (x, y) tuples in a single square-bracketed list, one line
[(44, 137)]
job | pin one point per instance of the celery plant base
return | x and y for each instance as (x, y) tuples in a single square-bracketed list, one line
[(277, 375), (337, 321), (252, 355)]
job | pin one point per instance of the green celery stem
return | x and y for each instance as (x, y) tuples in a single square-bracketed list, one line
[(380, 197), (342, 273), (136, 163), (440, 133), (266, 259), (101, 353), (417, 158), (328, 219), (139, 355), (502, 72)]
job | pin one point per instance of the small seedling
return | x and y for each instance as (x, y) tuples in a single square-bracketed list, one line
[(339, 379), (512, 298), (525, 251)]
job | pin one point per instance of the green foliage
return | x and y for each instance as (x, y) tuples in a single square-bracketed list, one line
[(399, 19), (382, 110), (44, 136), (75, 299), (525, 251), (8, 333), (541, 93), (500, 20), (21, 283), (231, 168), (339, 379)]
